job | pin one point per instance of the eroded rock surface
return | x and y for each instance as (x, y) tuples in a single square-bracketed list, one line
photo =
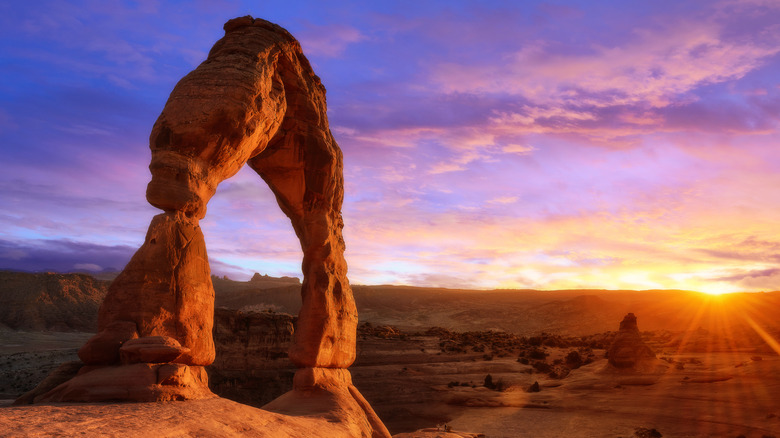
[(165, 290), (254, 100), (628, 349), (252, 340), (48, 301), (252, 366)]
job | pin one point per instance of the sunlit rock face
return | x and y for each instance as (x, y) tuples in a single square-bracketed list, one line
[(254, 100), (165, 290), (628, 349)]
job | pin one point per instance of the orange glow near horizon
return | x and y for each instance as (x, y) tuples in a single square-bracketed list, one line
[(772, 342), (721, 314)]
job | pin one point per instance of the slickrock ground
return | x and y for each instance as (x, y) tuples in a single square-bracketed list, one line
[(216, 417), (438, 432)]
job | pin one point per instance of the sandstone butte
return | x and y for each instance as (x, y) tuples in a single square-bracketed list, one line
[(255, 100)]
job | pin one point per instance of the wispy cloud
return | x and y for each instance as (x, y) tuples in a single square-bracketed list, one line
[(655, 69), (329, 41), (62, 255)]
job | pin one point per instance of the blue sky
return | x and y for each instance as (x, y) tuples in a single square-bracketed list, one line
[(487, 144)]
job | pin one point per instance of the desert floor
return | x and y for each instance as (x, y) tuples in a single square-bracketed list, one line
[(726, 395), (410, 383), (684, 395)]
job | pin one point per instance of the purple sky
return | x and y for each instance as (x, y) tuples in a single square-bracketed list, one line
[(613, 144)]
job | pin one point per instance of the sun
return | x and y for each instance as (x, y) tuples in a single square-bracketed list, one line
[(713, 288), (717, 292), (719, 289)]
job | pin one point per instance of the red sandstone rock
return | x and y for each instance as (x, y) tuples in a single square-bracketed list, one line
[(257, 100), (439, 432), (165, 290), (330, 391), (62, 374), (251, 340), (141, 382), (628, 348), (151, 349), (103, 348), (254, 100)]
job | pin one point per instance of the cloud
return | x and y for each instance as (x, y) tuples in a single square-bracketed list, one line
[(234, 272), (62, 255), (612, 91), (654, 69), (518, 149), (91, 209), (439, 280), (755, 279), (749, 249), (440, 168), (328, 41), (503, 200)]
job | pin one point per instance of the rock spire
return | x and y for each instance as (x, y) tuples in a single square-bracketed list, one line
[(628, 348)]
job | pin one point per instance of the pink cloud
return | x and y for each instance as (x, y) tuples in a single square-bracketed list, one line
[(518, 149), (656, 68), (329, 41)]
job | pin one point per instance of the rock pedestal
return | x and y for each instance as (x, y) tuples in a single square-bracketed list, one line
[(254, 100), (332, 391)]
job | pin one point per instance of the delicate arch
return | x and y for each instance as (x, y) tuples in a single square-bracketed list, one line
[(254, 100)]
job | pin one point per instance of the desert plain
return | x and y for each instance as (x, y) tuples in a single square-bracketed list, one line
[(505, 363)]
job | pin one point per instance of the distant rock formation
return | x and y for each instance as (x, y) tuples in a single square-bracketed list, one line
[(251, 340), (257, 278), (255, 100), (628, 348), (48, 301), (251, 366)]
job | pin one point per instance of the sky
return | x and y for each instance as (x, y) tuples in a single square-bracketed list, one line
[(487, 144)]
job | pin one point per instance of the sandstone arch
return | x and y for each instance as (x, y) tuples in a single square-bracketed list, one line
[(254, 100)]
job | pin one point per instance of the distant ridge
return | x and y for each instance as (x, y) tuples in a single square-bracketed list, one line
[(50, 301)]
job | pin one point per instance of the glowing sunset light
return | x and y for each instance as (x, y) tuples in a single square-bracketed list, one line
[(610, 145)]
